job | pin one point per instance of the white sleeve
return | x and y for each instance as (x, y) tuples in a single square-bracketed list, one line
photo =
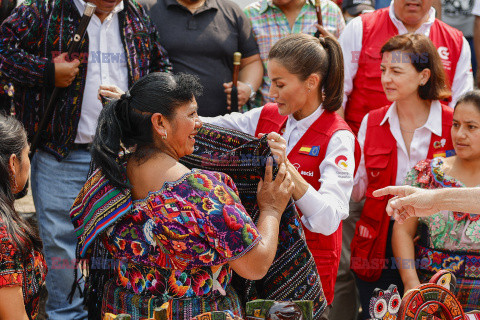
[(324, 209), (351, 43), (361, 179), (476, 8), (244, 122), (463, 79)]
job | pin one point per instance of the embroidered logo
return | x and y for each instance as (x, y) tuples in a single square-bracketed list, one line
[(443, 53), (310, 150), (306, 173), (341, 162), (439, 144)]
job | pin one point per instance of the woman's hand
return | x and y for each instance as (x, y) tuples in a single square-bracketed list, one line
[(273, 195), (278, 146), (110, 91)]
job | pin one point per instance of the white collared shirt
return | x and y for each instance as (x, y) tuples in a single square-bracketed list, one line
[(418, 147), (351, 43), (322, 210), (106, 65)]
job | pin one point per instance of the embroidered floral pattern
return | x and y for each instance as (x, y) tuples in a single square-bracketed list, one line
[(447, 230), (178, 240), (30, 274)]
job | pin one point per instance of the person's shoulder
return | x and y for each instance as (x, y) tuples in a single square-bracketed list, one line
[(253, 9), (332, 6)]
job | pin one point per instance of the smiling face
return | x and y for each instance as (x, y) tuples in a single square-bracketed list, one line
[(412, 12), (289, 92), (400, 79), (466, 131), (182, 129)]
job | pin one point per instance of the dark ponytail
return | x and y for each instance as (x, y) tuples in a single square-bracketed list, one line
[(333, 80), (126, 122), (303, 55), (13, 140)]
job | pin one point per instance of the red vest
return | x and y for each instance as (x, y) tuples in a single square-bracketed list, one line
[(326, 250), (369, 242), (367, 93)]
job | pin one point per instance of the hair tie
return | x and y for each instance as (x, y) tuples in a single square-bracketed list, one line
[(126, 96)]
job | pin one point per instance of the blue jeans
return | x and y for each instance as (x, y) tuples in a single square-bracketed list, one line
[(55, 185)]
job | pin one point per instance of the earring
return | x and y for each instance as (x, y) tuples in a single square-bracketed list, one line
[(13, 182), (165, 136)]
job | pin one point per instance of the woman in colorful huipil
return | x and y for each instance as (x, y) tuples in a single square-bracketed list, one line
[(22, 265), (449, 240), (176, 233), (394, 138)]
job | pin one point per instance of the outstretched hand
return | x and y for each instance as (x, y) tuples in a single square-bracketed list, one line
[(408, 202)]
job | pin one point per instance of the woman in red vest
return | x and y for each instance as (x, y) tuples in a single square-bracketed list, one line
[(448, 239), (306, 132), (394, 138)]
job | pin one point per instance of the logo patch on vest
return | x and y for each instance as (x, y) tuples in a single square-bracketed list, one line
[(439, 144), (341, 162), (310, 150)]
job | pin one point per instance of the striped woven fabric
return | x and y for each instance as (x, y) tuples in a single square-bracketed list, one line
[(293, 274)]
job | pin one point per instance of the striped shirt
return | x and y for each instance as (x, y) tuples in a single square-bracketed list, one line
[(270, 24)]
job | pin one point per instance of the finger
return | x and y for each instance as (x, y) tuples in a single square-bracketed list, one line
[(227, 85), (282, 171), (291, 187), (228, 91), (76, 63), (260, 135), (260, 185), (391, 190), (268, 170), (76, 71)]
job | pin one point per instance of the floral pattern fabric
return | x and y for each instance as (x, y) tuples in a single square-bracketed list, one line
[(177, 241), (447, 230), (29, 274)]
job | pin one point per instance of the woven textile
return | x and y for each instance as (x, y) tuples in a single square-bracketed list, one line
[(293, 274), (466, 268)]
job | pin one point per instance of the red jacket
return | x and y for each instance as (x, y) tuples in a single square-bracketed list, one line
[(369, 242), (326, 250), (367, 93)]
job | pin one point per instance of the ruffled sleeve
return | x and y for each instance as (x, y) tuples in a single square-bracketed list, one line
[(420, 175), (224, 224), (11, 269)]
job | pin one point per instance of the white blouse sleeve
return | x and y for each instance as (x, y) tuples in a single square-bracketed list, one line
[(361, 179), (244, 122), (324, 209)]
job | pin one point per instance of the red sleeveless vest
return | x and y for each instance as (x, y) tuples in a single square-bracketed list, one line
[(367, 93), (326, 250), (370, 239)]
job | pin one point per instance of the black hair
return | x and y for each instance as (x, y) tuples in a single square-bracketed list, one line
[(126, 122), (13, 140), (303, 55), (471, 96)]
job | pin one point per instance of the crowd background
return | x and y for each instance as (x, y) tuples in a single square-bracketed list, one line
[(461, 15)]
